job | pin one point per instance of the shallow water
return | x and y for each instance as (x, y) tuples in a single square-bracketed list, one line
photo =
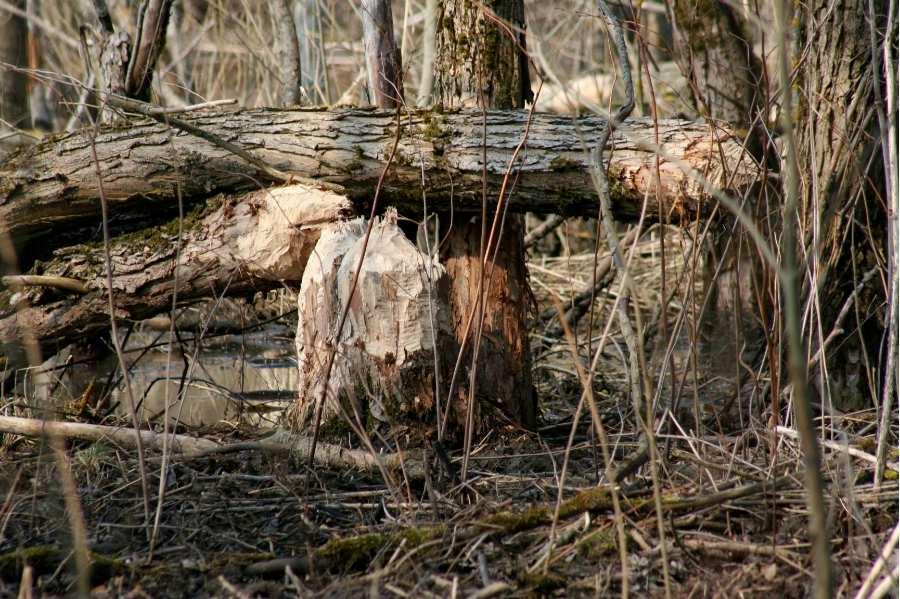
[(247, 379)]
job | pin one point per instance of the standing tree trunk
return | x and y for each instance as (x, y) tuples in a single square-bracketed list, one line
[(481, 60), (288, 51), (314, 78), (382, 54), (13, 84), (126, 68), (842, 190), (716, 56)]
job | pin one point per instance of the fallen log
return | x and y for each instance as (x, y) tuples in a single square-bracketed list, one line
[(255, 242), (280, 442), (52, 188)]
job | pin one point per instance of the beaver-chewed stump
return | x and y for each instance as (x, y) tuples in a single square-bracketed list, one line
[(392, 357)]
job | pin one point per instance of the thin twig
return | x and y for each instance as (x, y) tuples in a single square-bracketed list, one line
[(818, 525), (345, 311), (53, 282), (633, 338), (114, 330)]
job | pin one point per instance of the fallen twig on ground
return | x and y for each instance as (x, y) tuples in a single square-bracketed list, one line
[(194, 447)]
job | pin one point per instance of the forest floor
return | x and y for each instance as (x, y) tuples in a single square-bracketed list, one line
[(230, 524), (725, 516)]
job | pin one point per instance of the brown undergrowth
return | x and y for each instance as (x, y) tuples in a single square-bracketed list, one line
[(252, 525)]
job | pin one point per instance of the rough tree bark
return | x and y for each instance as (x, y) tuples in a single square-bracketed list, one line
[(49, 193), (51, 188), (481, 61), (126, 68), (715, 54), (382, 54), (13, 84), (842, 209)]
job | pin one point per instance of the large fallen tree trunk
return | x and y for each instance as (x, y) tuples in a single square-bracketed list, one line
[(49, 189), (254, 242)]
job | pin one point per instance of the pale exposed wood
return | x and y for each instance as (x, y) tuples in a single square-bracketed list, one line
[(597, 92), (50, 188), (256, 242), (384, 368)]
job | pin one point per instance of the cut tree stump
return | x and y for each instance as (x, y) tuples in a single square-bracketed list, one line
[(396, 333)]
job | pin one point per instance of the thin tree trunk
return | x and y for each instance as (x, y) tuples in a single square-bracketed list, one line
[(288, 51), (42, 114), (429, 39), (314, 78), (715, 54), (382, 54), (13, 84), (153, 20)]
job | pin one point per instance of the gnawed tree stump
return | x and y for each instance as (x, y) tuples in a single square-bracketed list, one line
[(397, 328)]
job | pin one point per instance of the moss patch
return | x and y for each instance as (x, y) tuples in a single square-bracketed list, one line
[(46, 558), (561, 164), (353, 553)]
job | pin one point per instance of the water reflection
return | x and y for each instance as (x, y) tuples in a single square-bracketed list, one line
[(247, 379)]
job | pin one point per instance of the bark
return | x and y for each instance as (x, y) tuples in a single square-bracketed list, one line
[(153, 20), (48, 192), (288, 52), (716, 55), (13, 84), (842, 211), (233, 245), (115, 48), (479, 54), (481, 60), (382, 54)]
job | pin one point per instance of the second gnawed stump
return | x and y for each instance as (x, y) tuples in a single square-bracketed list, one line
[(396, 339)]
